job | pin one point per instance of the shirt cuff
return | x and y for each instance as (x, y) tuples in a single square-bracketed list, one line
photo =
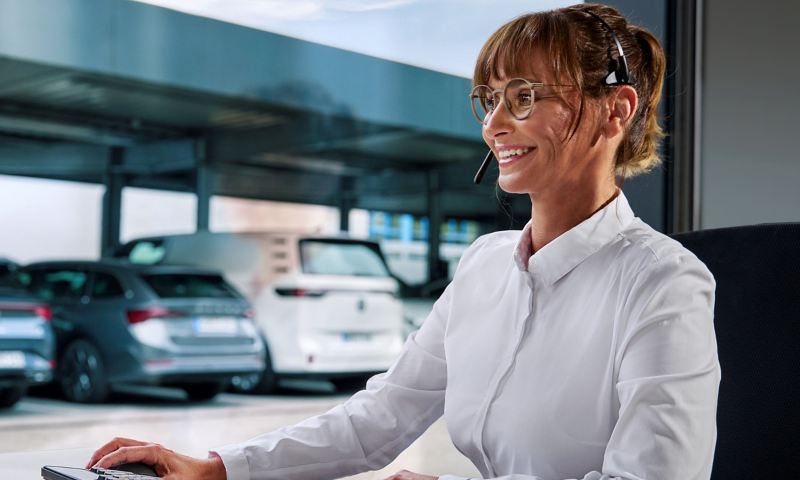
[(235, 461)]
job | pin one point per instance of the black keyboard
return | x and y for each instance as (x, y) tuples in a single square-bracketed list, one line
[(70, 473)]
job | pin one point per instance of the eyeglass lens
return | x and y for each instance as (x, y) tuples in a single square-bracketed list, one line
[(518, 96)]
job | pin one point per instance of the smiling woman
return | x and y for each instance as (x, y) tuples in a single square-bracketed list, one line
[(581, 347)]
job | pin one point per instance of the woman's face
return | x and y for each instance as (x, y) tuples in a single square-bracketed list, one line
[(548, 160)]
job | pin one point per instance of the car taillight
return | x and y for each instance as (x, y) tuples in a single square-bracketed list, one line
[(44, 312), (139, 316), (299, 292)]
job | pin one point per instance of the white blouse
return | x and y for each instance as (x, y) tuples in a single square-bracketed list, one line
[(593, 358)]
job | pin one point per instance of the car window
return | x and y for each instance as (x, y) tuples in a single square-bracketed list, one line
[(189, 286), (10, 280), (61, 284), (341, 258), (106, 286), (147, 252)]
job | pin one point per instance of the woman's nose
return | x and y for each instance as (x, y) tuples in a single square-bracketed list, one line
[(497, 122)]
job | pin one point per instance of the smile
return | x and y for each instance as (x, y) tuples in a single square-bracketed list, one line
[(511, 155)]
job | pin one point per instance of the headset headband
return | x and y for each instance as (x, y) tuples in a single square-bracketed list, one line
[(617, 69)]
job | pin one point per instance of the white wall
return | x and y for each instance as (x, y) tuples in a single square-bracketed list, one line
[(49, 219), (156, 212), (751, 101)]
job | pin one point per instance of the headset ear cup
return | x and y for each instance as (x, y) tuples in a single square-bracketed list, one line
[(612, 77), (612, 65)]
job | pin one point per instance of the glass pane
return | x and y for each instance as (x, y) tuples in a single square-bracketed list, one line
[(10, 278), (60, 284), (341, 258), (106, 286), (189, 286), (146, 252)]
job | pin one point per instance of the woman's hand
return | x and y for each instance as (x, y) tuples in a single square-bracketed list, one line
[(167, 464), (406, 475)]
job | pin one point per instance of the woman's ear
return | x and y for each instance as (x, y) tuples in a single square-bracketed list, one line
[(621, 107)]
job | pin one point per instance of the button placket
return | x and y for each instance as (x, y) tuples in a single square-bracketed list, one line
[(499, 379)]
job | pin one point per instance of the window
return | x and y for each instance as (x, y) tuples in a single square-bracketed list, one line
[(10, 278), (59, 284), (342, 258), (106, 286), (147, 252), (189, 286)]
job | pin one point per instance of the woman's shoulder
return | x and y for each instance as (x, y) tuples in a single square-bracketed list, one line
[(656, 251)]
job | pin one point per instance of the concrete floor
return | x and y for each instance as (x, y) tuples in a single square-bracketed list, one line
[(40, 428)]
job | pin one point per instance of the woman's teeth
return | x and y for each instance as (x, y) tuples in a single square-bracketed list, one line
[(513, 153)]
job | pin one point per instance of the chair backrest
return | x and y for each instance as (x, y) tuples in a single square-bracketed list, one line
[(757, 321)]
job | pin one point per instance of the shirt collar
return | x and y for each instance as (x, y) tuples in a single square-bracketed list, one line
[(572, 247)]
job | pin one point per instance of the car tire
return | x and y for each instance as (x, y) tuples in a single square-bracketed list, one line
[(201, 392), (262, 383), (9, 396), (82, 374)]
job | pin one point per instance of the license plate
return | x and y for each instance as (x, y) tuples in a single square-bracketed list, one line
[(356, 337), (215, 326), (12, 360)]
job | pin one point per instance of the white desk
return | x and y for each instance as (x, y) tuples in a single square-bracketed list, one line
[(28, 465)]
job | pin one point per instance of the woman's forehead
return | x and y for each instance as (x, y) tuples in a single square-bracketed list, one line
[(530, 66)]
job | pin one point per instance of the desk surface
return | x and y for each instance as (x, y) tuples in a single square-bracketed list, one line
[(28, 465)]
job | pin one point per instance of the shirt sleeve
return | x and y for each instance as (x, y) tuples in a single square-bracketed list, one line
[(367, 431), (667, 379)]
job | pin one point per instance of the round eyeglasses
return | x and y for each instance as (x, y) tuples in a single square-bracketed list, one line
[(519, 96)]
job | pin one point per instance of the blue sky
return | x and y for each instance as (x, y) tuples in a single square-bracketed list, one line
[(442, 35)]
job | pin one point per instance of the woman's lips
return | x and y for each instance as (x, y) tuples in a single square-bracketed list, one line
[(508, 161)]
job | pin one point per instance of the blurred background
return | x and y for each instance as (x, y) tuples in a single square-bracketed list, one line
[(227, 209)]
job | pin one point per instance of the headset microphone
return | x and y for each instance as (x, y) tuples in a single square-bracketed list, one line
[(483, 167)]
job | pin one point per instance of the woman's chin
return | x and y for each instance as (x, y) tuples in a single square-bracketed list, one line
[(512, 183)]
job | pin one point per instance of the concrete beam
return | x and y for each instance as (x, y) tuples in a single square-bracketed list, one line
[(137, 41)]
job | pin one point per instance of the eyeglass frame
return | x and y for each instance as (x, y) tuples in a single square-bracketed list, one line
[(531, 86)]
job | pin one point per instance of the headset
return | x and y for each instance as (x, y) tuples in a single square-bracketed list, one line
[(618, 74)]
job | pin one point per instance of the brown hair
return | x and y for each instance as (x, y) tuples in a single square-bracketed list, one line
[(577, 47)]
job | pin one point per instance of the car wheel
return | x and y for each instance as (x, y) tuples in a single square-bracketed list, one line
[(203, 391), (82, 375), (11, 395), (263, 382)]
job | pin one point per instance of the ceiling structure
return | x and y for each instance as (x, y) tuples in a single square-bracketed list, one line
[(266, 116)]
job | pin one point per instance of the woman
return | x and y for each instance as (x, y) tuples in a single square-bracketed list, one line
[(582, 347)]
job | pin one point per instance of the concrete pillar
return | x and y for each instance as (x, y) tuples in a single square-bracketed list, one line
[(114, 182), (203, 190), (435, 269), (345, 203), (203, 186)]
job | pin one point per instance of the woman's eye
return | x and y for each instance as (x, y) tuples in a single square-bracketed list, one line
[(524, 99), (488, 104)]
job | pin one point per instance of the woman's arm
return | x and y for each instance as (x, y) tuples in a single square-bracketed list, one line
[(367, 431), (364, 433)]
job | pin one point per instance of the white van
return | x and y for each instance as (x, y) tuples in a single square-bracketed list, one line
[(327, 306)]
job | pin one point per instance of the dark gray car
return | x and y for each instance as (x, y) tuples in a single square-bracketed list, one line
[(26, 339), (118, 323)]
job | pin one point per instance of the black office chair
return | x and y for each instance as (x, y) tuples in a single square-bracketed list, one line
[(757, 320)]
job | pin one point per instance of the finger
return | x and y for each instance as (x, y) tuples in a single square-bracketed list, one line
[(149, 454), (109, 447)]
